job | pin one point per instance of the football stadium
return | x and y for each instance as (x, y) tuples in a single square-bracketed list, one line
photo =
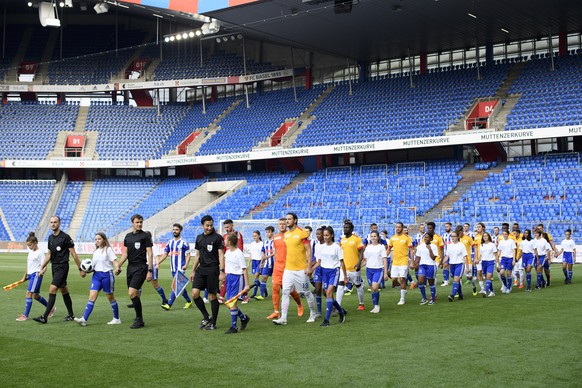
[(362, 192)]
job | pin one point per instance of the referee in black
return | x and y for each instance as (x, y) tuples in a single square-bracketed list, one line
[(138, 254), (60, 246), (208, 271)]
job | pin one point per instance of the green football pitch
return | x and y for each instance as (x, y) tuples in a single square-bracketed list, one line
[(517, 340)]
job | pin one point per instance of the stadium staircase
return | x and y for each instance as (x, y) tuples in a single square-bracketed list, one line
[(185, 209), (136, 55), (42, 72), (208, 132), (470, 176), (6, 226), (284, 191), (510, 99), (53, 204), (12, 73), (80, 209), (90, 137), (305, 119)]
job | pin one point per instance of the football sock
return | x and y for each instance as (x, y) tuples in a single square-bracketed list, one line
[(186, 296), (257, 287), (205, 294), (263, 287), (172, 298), (337, 306), (115, 309), (460, 289), (233, 317), (27, 306), (340, 293), (455, 289), (481, 285), (310, 301), (570, 275), (162, 294), (88, 309), (328, 307), (402, 294), (433, 292), (241, 315), (446, 275), (565, 273), (375, 298), (42, 300), (360, 290), (51, 303), (284, 305), (421, 288), (137, 307), (68, 303), (539, 279), (214, 306), (489, 286), (202, 307), (318, 302), (528, 279), (504, 280), (409, 278)]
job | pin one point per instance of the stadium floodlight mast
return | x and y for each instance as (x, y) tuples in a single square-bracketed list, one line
[(207, 28)]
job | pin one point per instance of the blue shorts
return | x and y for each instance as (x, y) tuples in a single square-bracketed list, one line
[(543, 262), (255, 267), (34, 283), (317, 275), (267, 271), (457, 270), (527, 259), (506, 263), (103, 281), (427, 270), (234, 285), (488, 267), (374, 275), (389, 263), (568, 258), (330, 277)]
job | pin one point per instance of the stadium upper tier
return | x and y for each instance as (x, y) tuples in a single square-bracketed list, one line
[(29, 130), (23, 203), (382, 194), (549, 98), (536, 189)]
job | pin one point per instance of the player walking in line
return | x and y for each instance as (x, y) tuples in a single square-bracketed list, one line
[(178, 250), (376, 267), (477, 242), (104, 265), (458, 262), (208, 271), (256, 248), (400, 245), (33, 265), (569, 255), (517, 273), (315, 271), (416, 241), (507, 250), (553, 250), (60, 246), (329, 257), (229, 229), (295, 275), (487, 258), (438, 241), (527, 256), (279, 269), (267, 258), (467, 241), (542, 251), (446, 241), (237, 280), (138, 253), (425, 261), (353, 248)]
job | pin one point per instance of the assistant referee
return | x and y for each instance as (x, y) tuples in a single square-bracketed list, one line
[(138, 253), (208, 271)]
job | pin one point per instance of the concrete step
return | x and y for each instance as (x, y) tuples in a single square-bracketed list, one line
[(292, 185), (80, 209)]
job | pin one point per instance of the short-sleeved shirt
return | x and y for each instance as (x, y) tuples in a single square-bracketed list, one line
[(375, 255), (240, 244), (438, 241), (506, 248), (137, 244), (568, 245), (526, 246), (280, 252), (296, 254), (177, 250), (468, 243), (351, 247), (477, 244), (424, 254), (456, 253), (59, 246), (400, 245), (103, 259), (234, 262), (208, 246), (329, 255), (34, 261), (542, 245), (267, 250), (487, 251), (256, 249)]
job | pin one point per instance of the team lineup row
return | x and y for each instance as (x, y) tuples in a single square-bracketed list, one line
[(293, 260)]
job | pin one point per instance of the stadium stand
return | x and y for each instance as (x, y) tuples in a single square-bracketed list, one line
[(68, 204), (549, 98), (23, 203), (24, 124), (389, 109)]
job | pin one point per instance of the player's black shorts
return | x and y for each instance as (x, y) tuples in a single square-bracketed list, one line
[(207, 278), (60, 274), (136, 276)]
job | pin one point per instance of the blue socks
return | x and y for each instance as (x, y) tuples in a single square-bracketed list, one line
[(455, 289), (446, 275), (318, 301), (27, 307), (433, 292), (233, 317), (569, 275), (375, 298), (43, 301), (422, 288), (160, 291), (328, 307), (263, 287), (88, 309), (115, 309), (257, 287), (489, 286), (528, 279), (540, 280)]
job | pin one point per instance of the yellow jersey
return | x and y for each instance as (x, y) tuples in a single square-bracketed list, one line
[(296, 254), (477, 240), (438, 241), (400, 246), (351, 247), (468, 243)]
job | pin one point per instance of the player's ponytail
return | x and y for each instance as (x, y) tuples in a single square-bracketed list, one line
[(32, 238)]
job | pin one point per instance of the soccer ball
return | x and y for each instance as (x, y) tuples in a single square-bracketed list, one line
[(87, 265)]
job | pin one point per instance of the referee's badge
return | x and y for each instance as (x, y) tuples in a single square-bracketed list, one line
[(137, 245), (58, 248), (209, 247)]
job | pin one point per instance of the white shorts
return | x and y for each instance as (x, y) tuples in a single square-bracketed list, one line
[(469, 271), (295, 280), (399, 271), (518, 266), (479, 267), (354, 277)]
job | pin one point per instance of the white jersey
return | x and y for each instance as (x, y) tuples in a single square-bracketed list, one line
[(526, 246), (542, 245), (256, 250), (329, 255), (447, 240), (422, 252), (103, 259), (506, 248), (234, 262), (488, 251), (34, 261), (495, 239), (568, 245), (374, 255), (456, 253)]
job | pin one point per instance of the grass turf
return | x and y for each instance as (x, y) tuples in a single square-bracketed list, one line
[(515, 340)]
